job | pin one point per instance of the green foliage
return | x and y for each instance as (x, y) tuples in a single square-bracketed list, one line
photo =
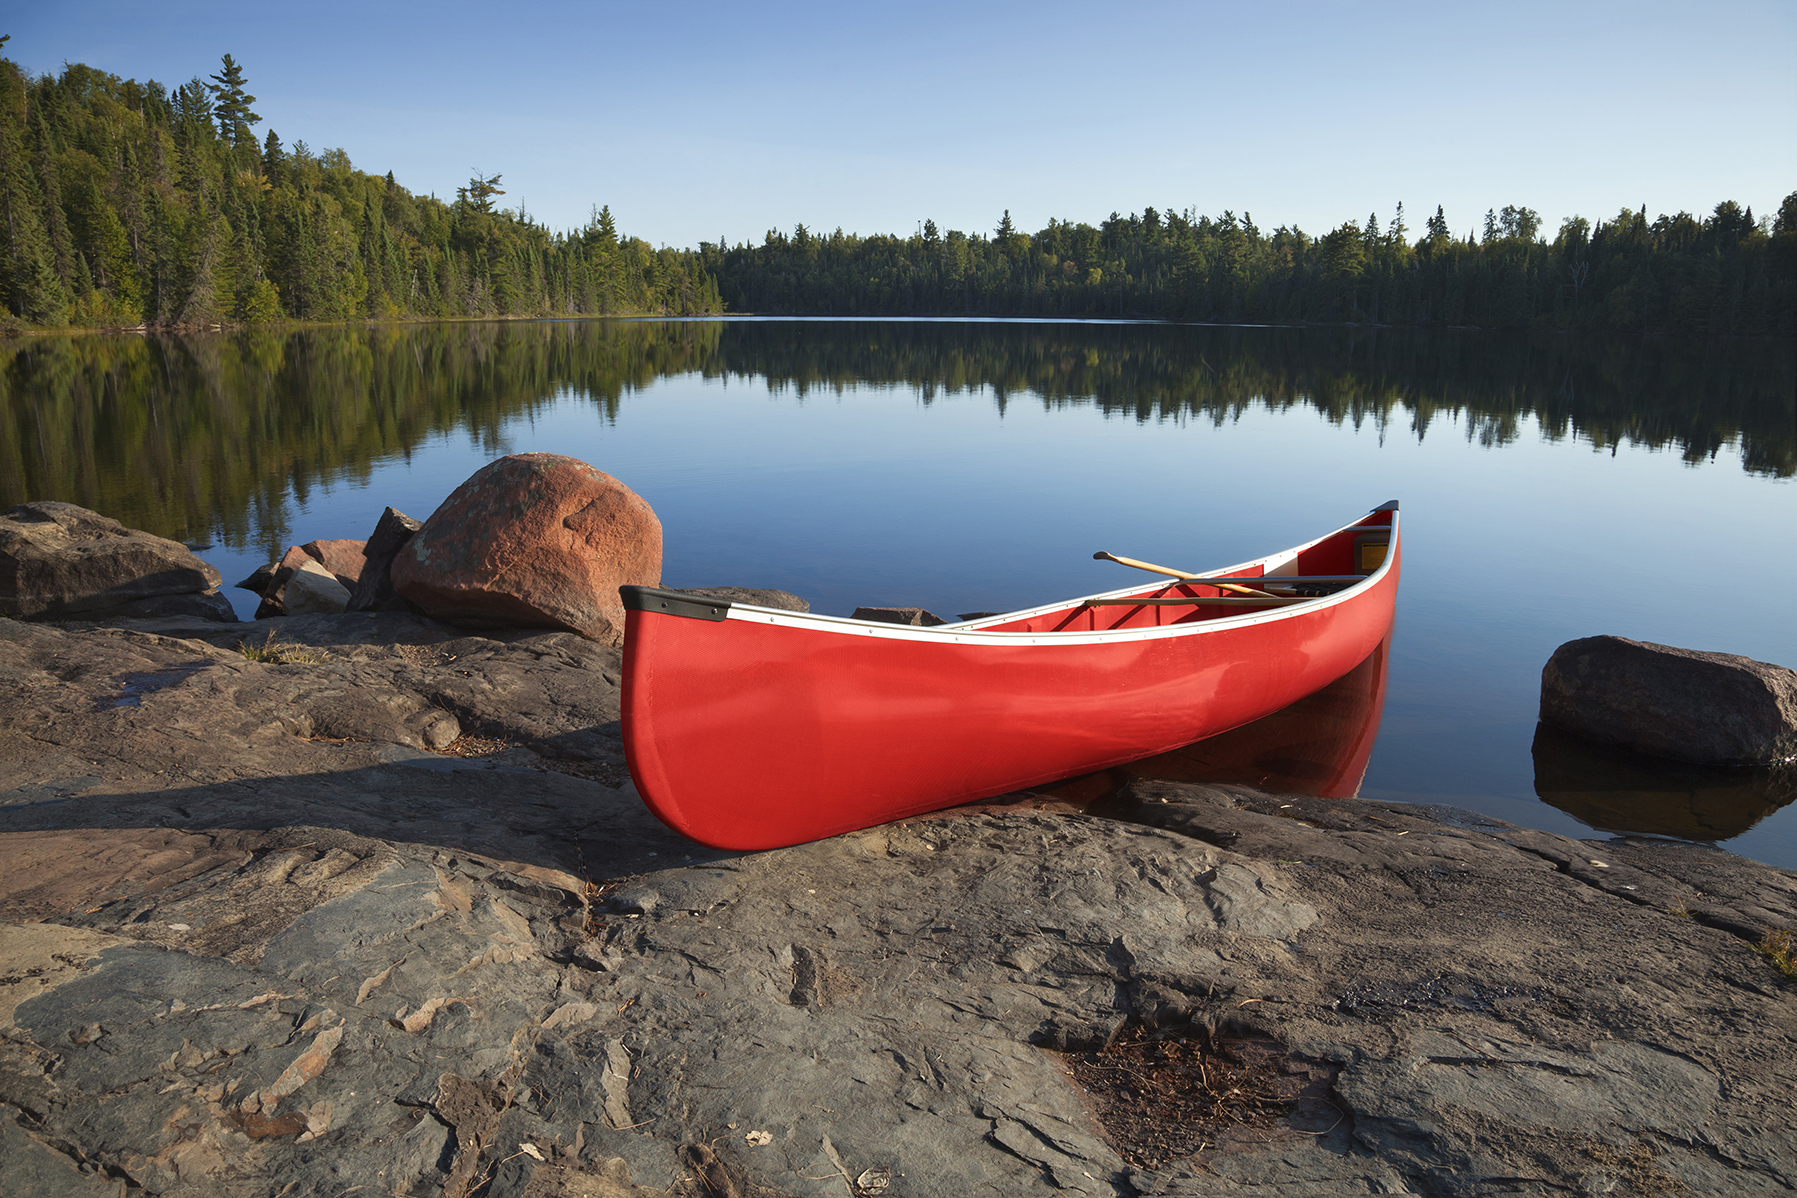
[(275, 652), (1778, 947), (121, 203), (1720, 275), (261, 302), (231, 105)]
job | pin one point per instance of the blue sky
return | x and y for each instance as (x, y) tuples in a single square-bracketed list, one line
[(698, 120)]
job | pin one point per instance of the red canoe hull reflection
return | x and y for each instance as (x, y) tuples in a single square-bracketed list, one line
[(1320, 745), (749, 728)]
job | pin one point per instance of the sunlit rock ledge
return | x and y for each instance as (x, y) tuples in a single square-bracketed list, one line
[(370, 902)]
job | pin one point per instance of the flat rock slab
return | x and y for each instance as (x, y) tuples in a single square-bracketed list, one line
[(60, 561), (245, 958)]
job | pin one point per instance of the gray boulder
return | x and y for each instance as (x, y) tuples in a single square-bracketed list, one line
[(63, 562), (314, 590), (374, 588), (1679, 703), (783, 600)]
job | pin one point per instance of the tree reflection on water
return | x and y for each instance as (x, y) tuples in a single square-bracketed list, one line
[(210, 437)]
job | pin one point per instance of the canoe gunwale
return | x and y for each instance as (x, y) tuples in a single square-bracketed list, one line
[(976, 632)]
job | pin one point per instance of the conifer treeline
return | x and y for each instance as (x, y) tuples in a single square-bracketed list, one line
[(1723, 274), (123, 203)]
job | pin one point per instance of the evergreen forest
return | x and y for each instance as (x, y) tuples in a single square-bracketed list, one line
[(126, 204)]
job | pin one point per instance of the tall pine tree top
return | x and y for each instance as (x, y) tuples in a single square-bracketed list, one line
[(231, 104)]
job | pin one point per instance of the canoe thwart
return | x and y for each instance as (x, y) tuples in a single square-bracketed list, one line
[(1226, 601)]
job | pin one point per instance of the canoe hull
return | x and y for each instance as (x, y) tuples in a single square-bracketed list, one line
[(772, 728)]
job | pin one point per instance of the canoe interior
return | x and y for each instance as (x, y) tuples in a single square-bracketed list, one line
[(1350, 551)]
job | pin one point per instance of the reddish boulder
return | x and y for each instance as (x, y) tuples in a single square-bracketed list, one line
[(342, 557), (533, 540)]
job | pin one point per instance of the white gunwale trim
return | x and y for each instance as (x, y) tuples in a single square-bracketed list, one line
[(973, 632)]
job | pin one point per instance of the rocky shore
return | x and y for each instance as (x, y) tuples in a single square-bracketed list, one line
[(364, 903)]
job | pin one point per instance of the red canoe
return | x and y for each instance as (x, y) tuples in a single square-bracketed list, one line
[(751, 728)]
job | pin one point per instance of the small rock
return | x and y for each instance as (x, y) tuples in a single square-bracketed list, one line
[(313, 590), (1670, 702), (915, 616), (343, 558), (63, 562), (259, 580), (274, 594), (533, 540), (340, 559), (639, 900)]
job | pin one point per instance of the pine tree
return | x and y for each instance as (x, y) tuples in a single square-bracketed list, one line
[(1437, 226), (33, 289), (231, 105), (274, 159)]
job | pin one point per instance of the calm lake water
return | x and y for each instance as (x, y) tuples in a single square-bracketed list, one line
[(1552, 487)]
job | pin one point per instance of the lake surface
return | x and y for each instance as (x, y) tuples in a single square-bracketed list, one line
[(1552, 487)]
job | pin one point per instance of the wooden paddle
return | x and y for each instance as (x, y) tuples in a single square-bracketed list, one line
[(1102, 556)]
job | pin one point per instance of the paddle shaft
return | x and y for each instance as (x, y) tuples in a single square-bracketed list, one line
[(1102, 556)]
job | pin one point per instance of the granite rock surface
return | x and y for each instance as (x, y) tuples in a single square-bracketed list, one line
[(261, 938)]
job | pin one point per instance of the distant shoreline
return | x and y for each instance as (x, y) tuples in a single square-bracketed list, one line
[(14, 329)]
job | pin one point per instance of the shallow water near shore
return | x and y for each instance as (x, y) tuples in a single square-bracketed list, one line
[(1552, 487)]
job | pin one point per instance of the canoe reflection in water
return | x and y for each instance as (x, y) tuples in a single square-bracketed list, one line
[(1617, 790), (1319, 746)]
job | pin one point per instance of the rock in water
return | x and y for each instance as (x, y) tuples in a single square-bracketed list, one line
[(62, 562), (314, 590), (760, 597), (1680, 703), (915, 616), (374, 589), (533, 540)]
